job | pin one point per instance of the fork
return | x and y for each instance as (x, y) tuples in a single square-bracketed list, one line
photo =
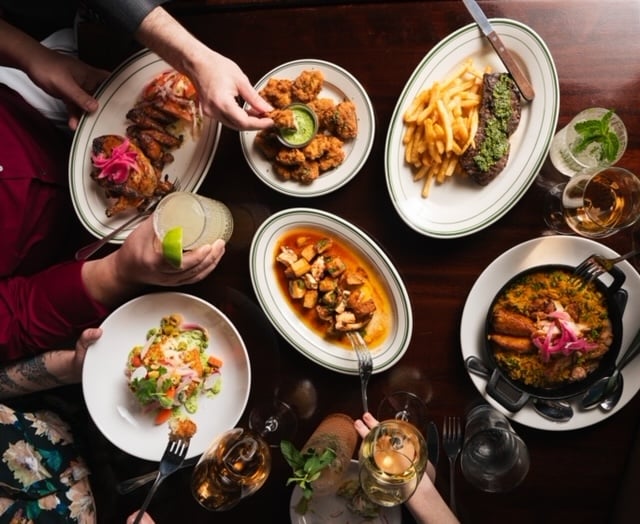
[(85, 252), (171, 461), (365, 364), (452, 444), (595, 265)]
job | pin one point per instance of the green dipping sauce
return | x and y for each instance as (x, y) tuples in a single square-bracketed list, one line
[(306, 126)]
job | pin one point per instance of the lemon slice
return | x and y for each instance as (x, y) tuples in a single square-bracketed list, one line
[(172, 246)]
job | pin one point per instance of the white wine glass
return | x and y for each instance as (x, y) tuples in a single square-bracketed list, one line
[(403, 405), (594, 203), (238, 461), (392, 459)]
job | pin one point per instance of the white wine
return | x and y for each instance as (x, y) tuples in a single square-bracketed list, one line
[(393, 458), (235, 466), (600, 205)]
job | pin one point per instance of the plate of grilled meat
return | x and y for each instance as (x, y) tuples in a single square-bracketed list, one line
[(147, 138), (482, 179)]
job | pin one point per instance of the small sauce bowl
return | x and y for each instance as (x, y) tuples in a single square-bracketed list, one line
[(306, 126)]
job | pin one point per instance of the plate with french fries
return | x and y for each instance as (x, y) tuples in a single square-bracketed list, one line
[(435, 121)]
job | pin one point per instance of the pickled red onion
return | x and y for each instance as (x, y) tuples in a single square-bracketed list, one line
[(567, 341), (116, 167)]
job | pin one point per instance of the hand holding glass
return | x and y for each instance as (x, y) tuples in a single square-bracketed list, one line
[(393, 458), (203, 220), (494, 458)]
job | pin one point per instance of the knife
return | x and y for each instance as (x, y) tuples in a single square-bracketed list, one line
[(523, 84)]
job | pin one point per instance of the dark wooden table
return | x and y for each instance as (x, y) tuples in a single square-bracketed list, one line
[(576, 476)]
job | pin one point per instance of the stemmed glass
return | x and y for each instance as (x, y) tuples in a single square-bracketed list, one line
[(238, 461), (393, 455), (594, 203)]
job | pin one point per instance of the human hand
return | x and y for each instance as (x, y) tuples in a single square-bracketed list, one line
[(146, 518), (87, 338), (221, 82), (140, 261), (69, 79)]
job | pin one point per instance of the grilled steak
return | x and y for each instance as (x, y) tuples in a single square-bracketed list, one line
[(499, 116)]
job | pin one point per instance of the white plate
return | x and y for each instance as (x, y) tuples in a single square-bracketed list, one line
[(284, 318), (116, 96), (565, 250), (460, 207), (332, 509), (115, 410), (338, 85)]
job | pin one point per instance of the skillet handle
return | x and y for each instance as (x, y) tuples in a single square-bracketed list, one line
[(618, 279), (507, 395)]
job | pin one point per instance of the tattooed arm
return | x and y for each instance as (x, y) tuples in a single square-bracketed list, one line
[(48, 370)]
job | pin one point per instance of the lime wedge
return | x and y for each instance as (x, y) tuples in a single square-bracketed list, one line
[(172, 246)]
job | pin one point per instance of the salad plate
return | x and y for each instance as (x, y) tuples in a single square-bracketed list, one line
[(332, 508), (459, 206), (566, 250), (264, 278), (338, 85), (114, 408), (116, 96)]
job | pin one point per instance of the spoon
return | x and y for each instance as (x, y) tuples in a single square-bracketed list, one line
[(606, 391), (555, 410)]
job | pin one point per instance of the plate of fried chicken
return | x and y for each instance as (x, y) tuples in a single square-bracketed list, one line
[(343, 141), (147, 137)]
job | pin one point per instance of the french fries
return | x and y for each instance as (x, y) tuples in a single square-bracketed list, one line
[(440, 124)]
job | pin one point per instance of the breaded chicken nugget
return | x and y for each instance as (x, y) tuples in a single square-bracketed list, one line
[(345, 122), (307, 85), (278, 92)]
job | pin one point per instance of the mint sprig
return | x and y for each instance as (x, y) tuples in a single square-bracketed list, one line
[(598, 131), (306, 467)]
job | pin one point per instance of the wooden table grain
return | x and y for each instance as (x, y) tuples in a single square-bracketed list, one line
[(577, 476)]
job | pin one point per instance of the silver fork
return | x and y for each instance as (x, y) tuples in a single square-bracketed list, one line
[(171, 461), (452, 444), (595, 265), (365, 364), (85, 252)]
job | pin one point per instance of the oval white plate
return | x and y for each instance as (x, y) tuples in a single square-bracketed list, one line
[(338, 85), (460, 207), (116, 96), (566, 250), (332, 509), (115, 410), (283, 317)]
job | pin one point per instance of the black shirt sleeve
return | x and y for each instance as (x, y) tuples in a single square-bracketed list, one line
[(127, 14)]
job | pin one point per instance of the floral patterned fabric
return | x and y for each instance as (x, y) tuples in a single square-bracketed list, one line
[(43, 479)]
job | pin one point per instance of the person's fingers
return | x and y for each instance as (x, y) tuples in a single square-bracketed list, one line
[(361, 428), (369, 420), (89, 336)]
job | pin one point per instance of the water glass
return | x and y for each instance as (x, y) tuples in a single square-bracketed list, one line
[(202, 219), (567, 159), (494, 458)]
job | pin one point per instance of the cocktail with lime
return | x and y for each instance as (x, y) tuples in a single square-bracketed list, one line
[(596, 137), (184, 221)]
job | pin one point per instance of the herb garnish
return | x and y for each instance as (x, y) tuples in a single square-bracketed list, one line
[(306, 468), (598, 131)]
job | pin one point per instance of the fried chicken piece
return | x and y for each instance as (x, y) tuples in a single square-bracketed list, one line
[(345, 122), (283, 119), (267, 143), (278, 92), (307, 85), (326, 150), (324, 109), (290, 157)]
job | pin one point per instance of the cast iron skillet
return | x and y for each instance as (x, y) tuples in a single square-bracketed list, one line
[(512, 394)]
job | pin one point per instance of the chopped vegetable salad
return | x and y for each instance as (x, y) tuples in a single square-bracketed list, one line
[(173, 369)]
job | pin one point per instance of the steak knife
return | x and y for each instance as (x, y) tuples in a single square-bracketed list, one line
[(522, 82)]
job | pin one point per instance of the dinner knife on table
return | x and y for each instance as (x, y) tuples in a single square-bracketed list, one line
[(521, 80)]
